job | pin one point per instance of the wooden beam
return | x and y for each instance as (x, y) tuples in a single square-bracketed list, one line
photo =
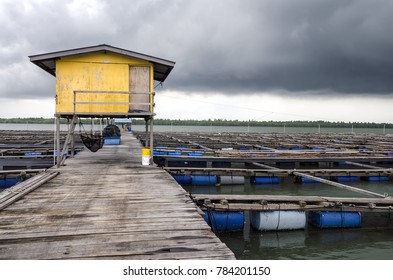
[(339, 185)]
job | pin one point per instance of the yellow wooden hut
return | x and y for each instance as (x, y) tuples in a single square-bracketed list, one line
[(104, 82)]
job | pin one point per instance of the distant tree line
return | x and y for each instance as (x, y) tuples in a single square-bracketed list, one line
[(220, 122)]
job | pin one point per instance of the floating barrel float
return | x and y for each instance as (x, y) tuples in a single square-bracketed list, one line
[(195, 154), (8, 182), (317, 149), (264, 149), (231, 180), (278, 220), (181, 148), (334, 219), (377, 178), (265, 180), (182, 179), (33, 154), (225, 221), (347, 178), (308, 180), (159, 153), (175, 154), (204, 179)]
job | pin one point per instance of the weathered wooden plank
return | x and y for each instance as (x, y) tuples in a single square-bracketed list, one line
[(91, 246), (235, 197)]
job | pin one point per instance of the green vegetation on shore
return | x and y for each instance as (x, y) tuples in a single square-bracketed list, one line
[(220, 122)]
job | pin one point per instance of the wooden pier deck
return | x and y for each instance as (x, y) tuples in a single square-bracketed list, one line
[(106, 205)]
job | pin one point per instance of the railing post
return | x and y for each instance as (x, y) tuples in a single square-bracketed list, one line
[(58, 141), (74, 102), (151, 140)]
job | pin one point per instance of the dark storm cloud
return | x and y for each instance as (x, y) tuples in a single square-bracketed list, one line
[(341, 46)]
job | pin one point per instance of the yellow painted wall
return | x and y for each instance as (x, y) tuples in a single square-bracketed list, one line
[(95, 72)]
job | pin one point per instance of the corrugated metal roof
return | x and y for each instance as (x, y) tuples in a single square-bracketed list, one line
[(47, 61)]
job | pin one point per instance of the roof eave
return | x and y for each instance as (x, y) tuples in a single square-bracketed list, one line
[(52, 57)]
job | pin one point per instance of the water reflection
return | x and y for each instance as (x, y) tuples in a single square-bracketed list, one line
[(343, 244)]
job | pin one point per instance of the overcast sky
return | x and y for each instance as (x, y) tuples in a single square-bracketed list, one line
[(235, 59)]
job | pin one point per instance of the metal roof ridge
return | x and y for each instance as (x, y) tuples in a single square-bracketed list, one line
[(97, 48)]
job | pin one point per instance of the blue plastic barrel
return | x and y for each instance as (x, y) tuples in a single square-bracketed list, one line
[(335, 219), (33, 154), (347, 178), (204, 179), (181, 148), (225, 221), (195, 154), (378, 178), (308, 180), (158, 153), (161, 147), (244, 149), (296, 148), (265, 180), (182, 179), (8, 182), (174, 154)]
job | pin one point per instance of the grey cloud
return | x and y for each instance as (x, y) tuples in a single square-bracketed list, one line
[(231, 46)]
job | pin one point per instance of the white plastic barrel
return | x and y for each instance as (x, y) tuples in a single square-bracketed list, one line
[(278, 220), (231, 180), (145, 156)]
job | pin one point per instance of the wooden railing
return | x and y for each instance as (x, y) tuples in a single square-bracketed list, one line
[(135, 104)]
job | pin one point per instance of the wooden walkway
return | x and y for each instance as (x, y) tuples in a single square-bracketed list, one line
[(106, 205)]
